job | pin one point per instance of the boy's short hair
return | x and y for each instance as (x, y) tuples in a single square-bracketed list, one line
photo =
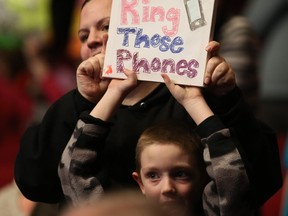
[(174, 132)]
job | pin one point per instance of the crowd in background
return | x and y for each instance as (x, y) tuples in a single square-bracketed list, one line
[(39, 53), (36, 68)]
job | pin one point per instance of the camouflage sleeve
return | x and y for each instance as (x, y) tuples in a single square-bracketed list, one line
[(228, 191), (76, 169)]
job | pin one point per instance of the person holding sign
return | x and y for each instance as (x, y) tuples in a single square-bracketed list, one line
[(170, 160), (36, 166)]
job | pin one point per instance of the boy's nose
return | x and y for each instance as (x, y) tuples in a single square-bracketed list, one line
[(168, 186)]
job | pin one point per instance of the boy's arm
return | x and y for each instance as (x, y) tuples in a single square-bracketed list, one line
[(228, 192), (257, 141), (80, 178)]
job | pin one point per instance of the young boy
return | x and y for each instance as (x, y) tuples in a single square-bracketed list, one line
[(170, 167)]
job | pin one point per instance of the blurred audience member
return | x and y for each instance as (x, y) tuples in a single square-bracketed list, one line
[(239, 46), (13, 203), (29, 83), (15, 110), (34, 72), (284, 201), (118, 203), (270, 21), (51, 75)]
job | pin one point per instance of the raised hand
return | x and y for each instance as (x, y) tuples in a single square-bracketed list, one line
[(219, 76), (123, 86), (90, 83), (191, 99), (113, 97), (183, 94)]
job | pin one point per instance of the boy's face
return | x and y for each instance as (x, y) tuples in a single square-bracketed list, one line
[(94, 24), (170, 176)]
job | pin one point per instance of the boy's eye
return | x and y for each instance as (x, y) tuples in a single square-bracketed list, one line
[(152, 175), (182, 175)]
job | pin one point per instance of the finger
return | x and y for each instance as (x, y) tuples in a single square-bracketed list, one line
[(101, 56), (227, 80), (208, 74), (95, 62), (130, 75), (213, 48), (210, 67), (220, 71), (86, 68), (170, 85), (104, 43), (128, 72)]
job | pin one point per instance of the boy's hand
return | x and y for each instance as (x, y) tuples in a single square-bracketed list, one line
[(219, 76), (116, 92), (123, 86), (185, 95), (191, 99)]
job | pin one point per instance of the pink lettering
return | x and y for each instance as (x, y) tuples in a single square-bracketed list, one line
[(130, 10), (172, 15), (129, 7)]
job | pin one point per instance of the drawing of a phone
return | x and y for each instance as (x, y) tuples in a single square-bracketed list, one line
[(195, 14)]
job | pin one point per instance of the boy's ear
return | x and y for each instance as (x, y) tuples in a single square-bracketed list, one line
[(136, 176)]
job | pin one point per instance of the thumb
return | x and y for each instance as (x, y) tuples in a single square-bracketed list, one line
[(170, 85)]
